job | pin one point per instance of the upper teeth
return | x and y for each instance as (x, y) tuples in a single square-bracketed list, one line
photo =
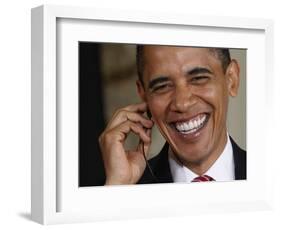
[(191, 125)]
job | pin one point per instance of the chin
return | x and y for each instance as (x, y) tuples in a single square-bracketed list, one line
[(192, 154)]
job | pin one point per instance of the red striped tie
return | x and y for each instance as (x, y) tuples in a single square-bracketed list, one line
[(203, 178)]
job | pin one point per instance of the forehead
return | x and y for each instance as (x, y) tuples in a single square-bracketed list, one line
[(175, 58), (152, 52)]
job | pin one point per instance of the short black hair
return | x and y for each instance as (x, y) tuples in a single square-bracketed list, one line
[(222, 54)]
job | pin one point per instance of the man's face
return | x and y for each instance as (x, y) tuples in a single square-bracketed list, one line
[(187, 93)]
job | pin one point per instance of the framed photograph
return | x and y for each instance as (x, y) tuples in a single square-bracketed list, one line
[(85, 65)]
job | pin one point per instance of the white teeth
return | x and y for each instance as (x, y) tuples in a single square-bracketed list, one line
[(191, 125), (182, 126)]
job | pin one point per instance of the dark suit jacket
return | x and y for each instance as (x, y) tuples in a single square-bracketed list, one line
[(161, 168)]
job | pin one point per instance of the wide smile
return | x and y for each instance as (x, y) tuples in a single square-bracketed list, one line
[(191, 126)]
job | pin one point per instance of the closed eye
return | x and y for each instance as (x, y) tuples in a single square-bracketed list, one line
[(161, 88), (200, 79)]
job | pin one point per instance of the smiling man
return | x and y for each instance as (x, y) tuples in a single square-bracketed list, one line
[(185, 90)]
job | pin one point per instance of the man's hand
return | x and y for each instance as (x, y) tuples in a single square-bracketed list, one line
[(121, 166)]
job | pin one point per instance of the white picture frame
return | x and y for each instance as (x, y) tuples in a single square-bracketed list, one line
[(58, 199)]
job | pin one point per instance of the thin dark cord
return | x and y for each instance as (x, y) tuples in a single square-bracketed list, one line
[(147, 164)]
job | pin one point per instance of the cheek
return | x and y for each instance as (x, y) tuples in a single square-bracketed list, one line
[(158, 107), (207, 95), (215, 95), (217, 98)]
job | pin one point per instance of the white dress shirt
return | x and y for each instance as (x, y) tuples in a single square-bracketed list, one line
[(221, 170)]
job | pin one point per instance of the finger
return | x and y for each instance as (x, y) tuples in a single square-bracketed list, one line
[(139, 107), (143, 147), (126, 127), (124, 115), (146, 145)]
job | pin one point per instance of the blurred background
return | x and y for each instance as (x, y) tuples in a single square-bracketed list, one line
[(107, 81)]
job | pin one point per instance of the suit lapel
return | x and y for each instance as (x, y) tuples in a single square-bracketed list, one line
[(160, 167), (240, 162)]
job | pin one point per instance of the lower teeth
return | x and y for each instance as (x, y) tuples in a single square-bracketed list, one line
[(190, 131)]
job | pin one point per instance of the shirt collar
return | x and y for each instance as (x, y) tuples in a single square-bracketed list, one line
[(221, 170)]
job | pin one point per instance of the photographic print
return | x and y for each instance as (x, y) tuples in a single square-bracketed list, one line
[(187, 103)]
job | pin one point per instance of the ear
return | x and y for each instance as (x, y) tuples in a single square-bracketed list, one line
[(233, 78), (141, 90)]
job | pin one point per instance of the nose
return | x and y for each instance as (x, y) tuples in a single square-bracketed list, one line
[(183, 99)]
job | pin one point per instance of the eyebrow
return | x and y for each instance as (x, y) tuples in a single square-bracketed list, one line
[(198, 70), (156, 81)]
